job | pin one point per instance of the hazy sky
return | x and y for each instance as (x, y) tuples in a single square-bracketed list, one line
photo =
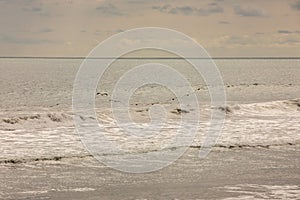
[(223, 27)]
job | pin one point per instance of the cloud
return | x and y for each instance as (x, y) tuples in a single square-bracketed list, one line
[(164, 8), (185, 10), (288, 41), (142, 1), (16, 40), (296, 5), (109, 10), (208, 9), (240, 40), (234, 40), (37, 10), (34, 9), (224, 22), (249, 12), (120, 30), (256, 41), (286, 38), (287, 32), (46, 30), (284, 32)]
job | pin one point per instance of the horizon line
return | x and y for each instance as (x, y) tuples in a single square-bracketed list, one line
[(136, 58)]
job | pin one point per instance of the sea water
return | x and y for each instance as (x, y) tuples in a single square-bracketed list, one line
[(36, 117)]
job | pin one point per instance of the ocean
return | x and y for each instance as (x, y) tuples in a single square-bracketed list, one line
[(255, 156), (37, 119)]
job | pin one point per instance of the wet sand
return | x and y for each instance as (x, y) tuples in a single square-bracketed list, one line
[(239, 173)]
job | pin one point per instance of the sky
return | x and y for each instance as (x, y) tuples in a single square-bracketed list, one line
[(225, 28)]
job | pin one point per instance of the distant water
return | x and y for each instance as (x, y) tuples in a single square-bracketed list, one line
[(48, 82), (37, 121)]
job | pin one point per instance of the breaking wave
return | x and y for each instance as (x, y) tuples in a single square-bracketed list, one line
[(49, 135)]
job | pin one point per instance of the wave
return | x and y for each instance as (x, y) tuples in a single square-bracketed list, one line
[(86, 155), (11, 120), (272, 107), (20, 118), (266, 108), (50, 135), (54, 158)]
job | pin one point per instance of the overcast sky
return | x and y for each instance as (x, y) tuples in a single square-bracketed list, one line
[(223, 27)]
